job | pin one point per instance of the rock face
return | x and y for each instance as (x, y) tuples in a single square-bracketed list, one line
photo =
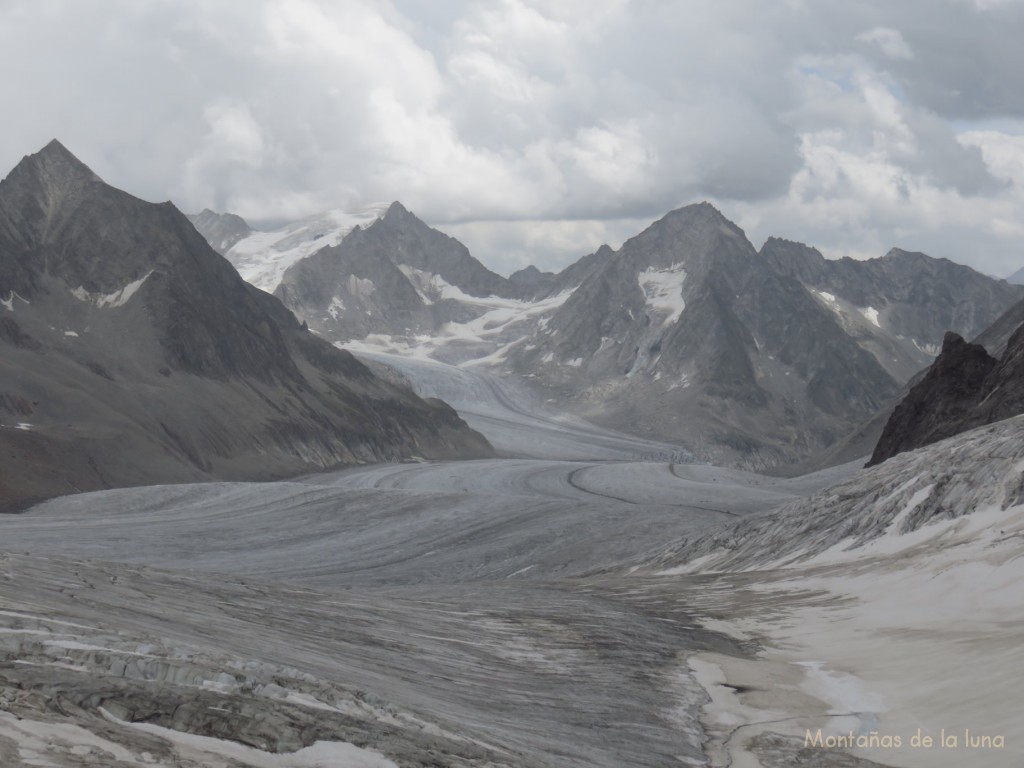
[(396, 276), (132, 353), (898, 306), (996, 337), (964, 388), (221, 230), (532, 280), (686, 332)]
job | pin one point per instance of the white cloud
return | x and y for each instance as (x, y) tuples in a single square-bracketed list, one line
[(539, 130), (890, 41)]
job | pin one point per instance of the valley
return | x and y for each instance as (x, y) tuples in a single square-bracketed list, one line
[(408, 512), (558, 610)]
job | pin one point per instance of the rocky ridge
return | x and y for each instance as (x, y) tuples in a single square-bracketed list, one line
[(133, 353)]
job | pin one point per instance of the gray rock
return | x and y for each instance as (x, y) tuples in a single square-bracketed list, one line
[(221, 230), (964, 388), (389, 278), (752, 370), (133, 353), (913, 299)]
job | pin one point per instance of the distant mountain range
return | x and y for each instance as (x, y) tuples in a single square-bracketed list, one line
[(687, 333), (132, 353), (261, 257)]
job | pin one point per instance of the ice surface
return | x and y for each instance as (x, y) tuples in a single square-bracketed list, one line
[(502, 323), (263, 257), (510, 612)]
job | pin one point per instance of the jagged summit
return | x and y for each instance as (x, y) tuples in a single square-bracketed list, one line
[(135, 354), (397, 211), (37, 187), (54, 166)]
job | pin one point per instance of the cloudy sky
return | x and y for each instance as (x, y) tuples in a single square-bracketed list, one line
[(535, 131)]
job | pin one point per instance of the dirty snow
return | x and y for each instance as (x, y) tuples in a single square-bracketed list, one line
[(322, 754), (497, 324)]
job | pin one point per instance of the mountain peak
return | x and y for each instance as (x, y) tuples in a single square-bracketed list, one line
[(398, 212), (55, 164), (696, 211), (700, 216)]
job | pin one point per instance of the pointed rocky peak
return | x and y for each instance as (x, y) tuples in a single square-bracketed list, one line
[(1017, 278), (399, 214), (696, 212), (42, 188), (701, 218), (696, 236), (530, 276), (528, 273), (943, 401), (400, 219), (55, 167)]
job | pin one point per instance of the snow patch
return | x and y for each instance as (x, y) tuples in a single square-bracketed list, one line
[(663, 290), (683, 382), (362, 288), (118, 298), (871, 314), (8, 303), (428, 285), (497, 328), (71, 334), (337, 306)]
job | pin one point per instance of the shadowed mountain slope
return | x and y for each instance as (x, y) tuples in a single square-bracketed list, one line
[(133, 353)]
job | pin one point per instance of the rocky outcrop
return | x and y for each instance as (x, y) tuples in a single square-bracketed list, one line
[(221, 230), (996, 337), (964, 388), (148, 359)]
